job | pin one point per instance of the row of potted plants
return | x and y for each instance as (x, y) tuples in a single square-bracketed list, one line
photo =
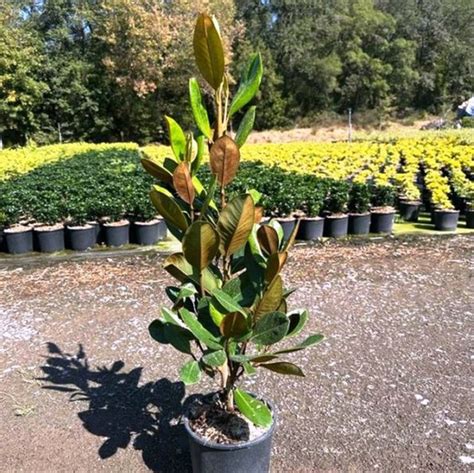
[(25, 237)]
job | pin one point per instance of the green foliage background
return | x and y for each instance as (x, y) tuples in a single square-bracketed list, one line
[(71, 70)]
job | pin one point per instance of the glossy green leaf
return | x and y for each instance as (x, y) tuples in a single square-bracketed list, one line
[(171, 317), (215, 358), (271, 299), (209, 196), (198, 330), (170, 334), (235, 224), (208, 50), (225, 303), (297, 322), (253, 409), (199, 109), (201, 144), (216, 315), (283, 367), (156, 170), (200, 244), (177, 138), (249, 369), (249, 84), (167, 206), (311, 340), (190, 372), (234, 325), (245, 127), (253, 358), (270, 328)]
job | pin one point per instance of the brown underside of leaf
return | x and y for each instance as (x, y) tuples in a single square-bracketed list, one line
[(224, 158), (183, 183)]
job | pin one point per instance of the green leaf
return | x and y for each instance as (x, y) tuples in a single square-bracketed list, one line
[(167, 206), (249, 369), (196, 164), (271, 299), (177, 138), (234, 325), (254, 358), (170, 334), (171, 317), (215, 358), (209, 196), (225, 303), (311, 340), (270, 328), (156, 170), (199, 110), (216, 315), (297, 322), (190, 372), (249, 84), (256, 195), (245, 127), (208, 50), (255, 411), (283, 367), (198, 330), (200, 244), (274, 223), (235, 224)]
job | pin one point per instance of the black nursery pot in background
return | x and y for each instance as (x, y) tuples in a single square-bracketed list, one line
[(116, 233), (80, 238), (409, 210), (359, 224), (146, 233), (98, 231), (288, 224), (469, 218), (2, 240), (18, 240), (446, 220), (49, 239), (382, 221), (336, 226), (244, 457), (311, 228)]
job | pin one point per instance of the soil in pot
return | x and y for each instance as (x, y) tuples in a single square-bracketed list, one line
[(226, 442), (470, 218), (409, 210), (80, 237), (336, 225), (288, 224), (145, 233), (311, 228), (49, 238), (359, 224), (382, 220), (446, 220), (18, 240), (116, 233)]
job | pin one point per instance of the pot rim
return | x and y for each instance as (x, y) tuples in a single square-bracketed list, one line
[(230, 447), (146, 223), (17, 229), (337, 216), (446, 211), (355, 214), (117, 224), (311, 219), (87, 226)]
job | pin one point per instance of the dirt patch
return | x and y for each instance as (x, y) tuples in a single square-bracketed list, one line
[(83, 387)]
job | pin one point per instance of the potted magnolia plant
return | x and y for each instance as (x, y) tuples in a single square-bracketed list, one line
[(359, 209), (229, 308)]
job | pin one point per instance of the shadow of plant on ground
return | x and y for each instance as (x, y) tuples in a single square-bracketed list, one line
[(121, 410)]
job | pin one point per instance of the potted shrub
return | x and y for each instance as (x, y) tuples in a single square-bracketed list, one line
[(115, 228), (311, 225), (80, 235), (446, 218), (145, 228), (17, 233), (336, 218), (383, 211), (229, 309), (49, 232), (410, 204), (470, 210), (359, 209), (3, 219)]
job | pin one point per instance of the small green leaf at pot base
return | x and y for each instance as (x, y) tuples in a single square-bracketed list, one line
[(310, 341), (177, 138), (270, 328), (199, 110), (245, 127), (182, 182), (283, 367), (253, 409), (249, 84), (208, 50), (235, 224), (200, 244), (224, 159), (234, 325), (215, 358), (190, 373)]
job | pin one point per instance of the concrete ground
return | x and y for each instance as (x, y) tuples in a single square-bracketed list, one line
[(83, 388)]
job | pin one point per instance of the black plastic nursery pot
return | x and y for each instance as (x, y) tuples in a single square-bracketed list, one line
[(382, 221), (49, 239), (80, 238), (446, 220), (2, 240), (116, 233), (359, 224), (244, 457), (469, 219), (336, 226), (18, 240), (409, 210), (98, 231), (146, 233), (288, 224), (311, 228)]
